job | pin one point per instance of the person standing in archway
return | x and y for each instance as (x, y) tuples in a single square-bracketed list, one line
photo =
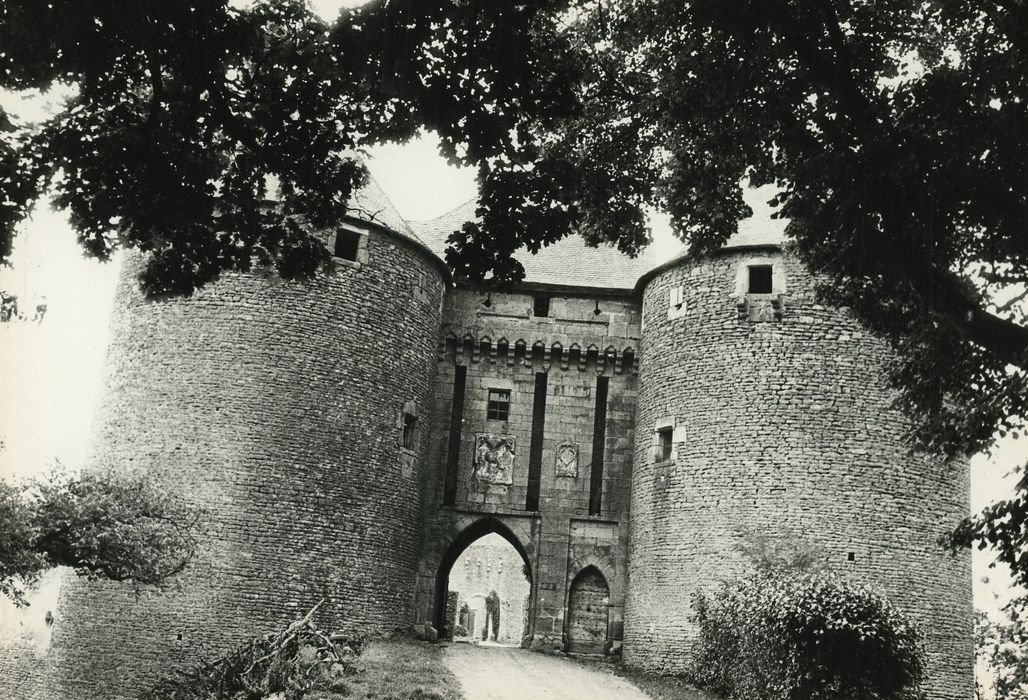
[(492, 614)]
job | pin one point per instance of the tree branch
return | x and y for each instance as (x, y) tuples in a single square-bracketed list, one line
[(1009, 304), (1004, 338)]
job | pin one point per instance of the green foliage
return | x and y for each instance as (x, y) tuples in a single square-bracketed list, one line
[(184, 108), (20, 561), (888, 128), (1003, 646), (117, 528), (894, 131), (293, 662), (1002, 526), (804, 637)]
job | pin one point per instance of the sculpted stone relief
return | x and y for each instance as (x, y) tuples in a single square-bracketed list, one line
[(494, 458), (567, 459)]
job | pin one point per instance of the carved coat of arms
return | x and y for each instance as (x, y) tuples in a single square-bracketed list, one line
[(494, 458), (567, 459)]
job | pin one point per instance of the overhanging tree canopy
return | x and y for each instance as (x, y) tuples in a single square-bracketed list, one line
[(896, 131)]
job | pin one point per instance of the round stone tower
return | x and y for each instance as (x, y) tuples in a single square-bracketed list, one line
[(762, 411), (297, 417)]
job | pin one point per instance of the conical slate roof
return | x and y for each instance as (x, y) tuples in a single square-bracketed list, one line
[(370, 203)]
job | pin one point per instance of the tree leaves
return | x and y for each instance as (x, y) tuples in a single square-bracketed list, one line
[(1004, 647), (111, 527), (183, 111), (1002, 526), (787, 634), (896, 131)]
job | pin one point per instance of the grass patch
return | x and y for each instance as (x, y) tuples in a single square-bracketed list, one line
[(666, 687), (401, 669), (655, 686)]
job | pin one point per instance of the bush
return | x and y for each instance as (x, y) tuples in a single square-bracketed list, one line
[(804, 637)]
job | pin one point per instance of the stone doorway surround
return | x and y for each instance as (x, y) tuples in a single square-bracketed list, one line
[(587, 627), (443, 552)]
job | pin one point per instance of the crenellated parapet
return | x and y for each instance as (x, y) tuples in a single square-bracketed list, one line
[(543, 330), (538, 355)]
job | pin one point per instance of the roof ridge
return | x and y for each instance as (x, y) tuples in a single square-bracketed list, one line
[(446, 213)]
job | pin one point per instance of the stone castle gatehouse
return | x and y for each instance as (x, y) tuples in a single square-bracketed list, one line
[(620, 424)]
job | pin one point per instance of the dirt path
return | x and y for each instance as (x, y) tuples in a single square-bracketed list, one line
[(505, 673)]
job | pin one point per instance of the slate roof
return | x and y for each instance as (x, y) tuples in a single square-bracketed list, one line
[(570, 262), (370, 203)]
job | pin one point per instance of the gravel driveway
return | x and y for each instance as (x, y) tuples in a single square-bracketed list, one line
[(506, 673)]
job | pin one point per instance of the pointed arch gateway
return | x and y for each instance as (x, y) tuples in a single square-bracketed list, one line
[(461, 542), (588, 613)]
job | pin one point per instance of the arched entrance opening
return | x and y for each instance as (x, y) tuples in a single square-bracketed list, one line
[(484, 587), (588, 613)]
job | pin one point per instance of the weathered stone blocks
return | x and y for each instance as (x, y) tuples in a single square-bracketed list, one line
[(279, 409), (783, 426)]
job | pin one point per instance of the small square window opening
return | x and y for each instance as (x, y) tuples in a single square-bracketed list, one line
[(347, 244), (664, 444), (541, 306), (498, 406), (760, 279), (410, 427)]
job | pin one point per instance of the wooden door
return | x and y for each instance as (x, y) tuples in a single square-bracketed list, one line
[(588, 604)]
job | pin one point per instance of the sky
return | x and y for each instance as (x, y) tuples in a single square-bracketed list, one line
[(51, 371)]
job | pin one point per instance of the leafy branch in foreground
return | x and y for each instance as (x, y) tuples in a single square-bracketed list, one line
[(1003, 646), (120, 528), (1003, 526)]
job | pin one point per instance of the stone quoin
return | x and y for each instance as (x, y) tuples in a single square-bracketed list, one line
[(621, 424)]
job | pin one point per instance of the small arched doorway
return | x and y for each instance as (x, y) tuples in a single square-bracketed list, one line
[(486, 562), (588, 610)]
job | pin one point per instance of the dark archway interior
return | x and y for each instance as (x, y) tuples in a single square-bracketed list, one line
[(470, 534)]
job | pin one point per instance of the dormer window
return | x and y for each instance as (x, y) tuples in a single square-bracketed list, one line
[(541, 306), (760, 279), (347, 244), (760, 291)]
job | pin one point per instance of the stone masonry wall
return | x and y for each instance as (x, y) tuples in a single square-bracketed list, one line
[(573, 345), (278, 408), (782, 425)]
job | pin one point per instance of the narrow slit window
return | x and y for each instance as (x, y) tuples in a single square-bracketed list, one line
[(347, 244), (760, 279), (677, 298), (664, 444), (541, 306), (410, 428), (498, 406)]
